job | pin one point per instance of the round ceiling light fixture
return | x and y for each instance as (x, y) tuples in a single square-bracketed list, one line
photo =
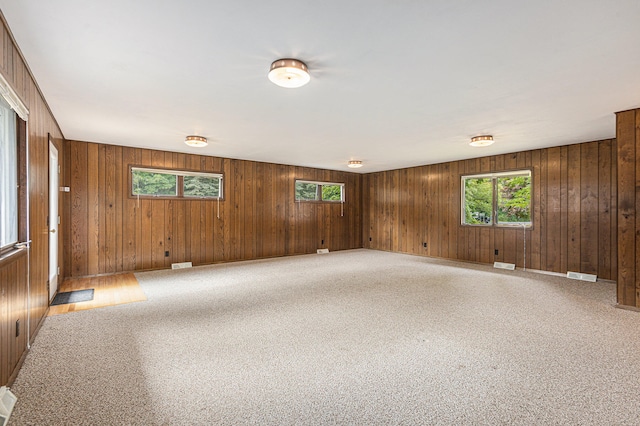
[(196, 141), (354, 164), (289, 73), (484, 140)]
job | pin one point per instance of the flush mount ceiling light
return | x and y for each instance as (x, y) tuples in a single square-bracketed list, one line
[(354, 164), (484, 140), (196, 141), (289, 73)]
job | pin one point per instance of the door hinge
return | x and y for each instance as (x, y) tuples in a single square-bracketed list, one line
[(58, 270)]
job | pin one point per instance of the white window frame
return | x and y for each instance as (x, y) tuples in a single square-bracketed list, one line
[(319, 191), (9, 208), (180, 174), (494, 202)]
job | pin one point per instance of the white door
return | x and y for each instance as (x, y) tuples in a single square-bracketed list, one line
[(54, 189)]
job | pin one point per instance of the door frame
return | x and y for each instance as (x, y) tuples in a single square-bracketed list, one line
[(54, 215)]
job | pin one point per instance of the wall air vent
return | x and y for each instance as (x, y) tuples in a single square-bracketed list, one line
[(7, 401), (583, 277), (502, 265), (182, 265)]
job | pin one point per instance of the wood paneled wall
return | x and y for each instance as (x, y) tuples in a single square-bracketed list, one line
[(574, 218), (628, 137), (13, 308), (113, 232), (13, 279)]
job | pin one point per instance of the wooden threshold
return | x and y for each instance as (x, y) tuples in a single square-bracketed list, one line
[(109, 290)]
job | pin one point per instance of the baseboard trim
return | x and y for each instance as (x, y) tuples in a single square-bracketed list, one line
[(627, 307)]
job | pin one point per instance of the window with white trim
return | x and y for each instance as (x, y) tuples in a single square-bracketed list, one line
[(307, 190), (148, 182), (8, 176), (497, 199)]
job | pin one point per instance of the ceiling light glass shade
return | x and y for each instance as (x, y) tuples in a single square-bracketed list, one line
[(484, 140), (354, 164), (196, 141), (289, 73)]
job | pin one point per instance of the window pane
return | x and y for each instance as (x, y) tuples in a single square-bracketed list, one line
[(157, 184), (331, 192), (514, 200), (306, 191), (8, 176), (201, 186), (478, 198)]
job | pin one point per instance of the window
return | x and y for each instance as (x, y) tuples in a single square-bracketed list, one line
[(319, 191), (8, 176), (502, 199), (175, 183)]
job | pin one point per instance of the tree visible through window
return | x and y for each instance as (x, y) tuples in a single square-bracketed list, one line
[(155, 184), (319, 191), (175, 183), (8, 176), (201, 186), (507, 195)]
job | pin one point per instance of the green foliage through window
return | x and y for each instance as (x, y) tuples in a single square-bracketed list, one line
[(155, 184), (514, 199), (175, 183), (331, 192), (319, 191), (507, 194), (201, 186), (306, 191), (478, 201)]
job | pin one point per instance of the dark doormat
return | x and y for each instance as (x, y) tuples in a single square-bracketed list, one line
[(73, 297)]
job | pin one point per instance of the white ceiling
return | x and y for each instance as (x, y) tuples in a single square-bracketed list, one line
[(394, 83)]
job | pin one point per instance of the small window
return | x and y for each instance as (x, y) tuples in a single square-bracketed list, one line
[(332, 192), (202, 186), (319, 191), (154, 184), (501, 199), (514, 200), (8, 176), (175, 183), (307, 191)]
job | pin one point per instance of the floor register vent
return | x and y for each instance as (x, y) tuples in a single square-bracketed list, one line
[(502, 265), (323, 251), (7, 401), (181, 265), (583, 277)]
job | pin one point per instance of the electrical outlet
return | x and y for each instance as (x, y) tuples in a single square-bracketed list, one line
[(495, 252), (166, 253), (424, 245), (370, 239), (322, 243)]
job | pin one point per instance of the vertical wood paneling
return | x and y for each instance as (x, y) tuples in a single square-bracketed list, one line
[(79, 204), (17, 287), (258, 215), (573, 207), (93, 209), (627, 139), (604, 208), (13, 307), (553, 210), (569, 198), (589, 234)]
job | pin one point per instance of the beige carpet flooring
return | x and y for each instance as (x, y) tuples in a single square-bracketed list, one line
[(355, 337)]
